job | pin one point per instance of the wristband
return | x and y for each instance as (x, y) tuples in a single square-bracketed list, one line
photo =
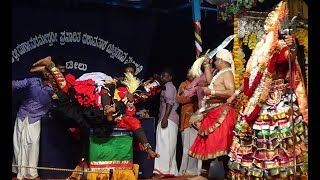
[(213, 92)]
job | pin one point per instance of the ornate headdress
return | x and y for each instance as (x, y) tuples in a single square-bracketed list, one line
[(269, 41)]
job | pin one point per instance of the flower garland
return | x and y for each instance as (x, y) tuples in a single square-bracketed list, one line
[(258, 79), (238, 56), (252, 40), (215, 77), (264, 88), (302, 35), (239, 61), (236, 46)]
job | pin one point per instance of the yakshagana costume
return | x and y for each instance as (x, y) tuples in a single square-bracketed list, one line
[(85, 102), (214, 121), (265, 146)]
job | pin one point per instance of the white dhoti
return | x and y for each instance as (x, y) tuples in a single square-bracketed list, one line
[(189, 165), (166, 143), (26, 139)]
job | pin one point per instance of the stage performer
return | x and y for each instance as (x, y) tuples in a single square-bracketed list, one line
[(218, 119), (26, 135), (97, 102), (265, 145), (134, 91)]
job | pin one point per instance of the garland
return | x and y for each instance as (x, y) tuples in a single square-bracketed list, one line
[(238, 56), (261, 65), (217, 75), (227, 10), (236, 47), (302, 35), (262, 88)]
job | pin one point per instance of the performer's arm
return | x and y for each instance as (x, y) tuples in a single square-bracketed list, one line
[(164, 121), (180, 97), (169, 97), (289, 49), (19, 84), (235, 94), (208, 70), (106, 104), (58, 77), (49, 65)]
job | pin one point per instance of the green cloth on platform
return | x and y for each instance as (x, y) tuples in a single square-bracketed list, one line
[(114, 148)]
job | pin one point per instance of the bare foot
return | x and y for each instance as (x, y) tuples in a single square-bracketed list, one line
[(43, 62), (152, 154)]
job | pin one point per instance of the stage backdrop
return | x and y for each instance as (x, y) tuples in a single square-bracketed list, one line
[(89, 39)]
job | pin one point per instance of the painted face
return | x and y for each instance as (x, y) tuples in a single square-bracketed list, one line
[(129, 70)]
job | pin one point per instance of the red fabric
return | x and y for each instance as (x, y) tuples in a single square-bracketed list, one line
[(131, 112), (122, 92), (281, 56), (70, 79), (218, 140), (85, 93), (129, 123), (251, 118), (103, 91), (85, 90)]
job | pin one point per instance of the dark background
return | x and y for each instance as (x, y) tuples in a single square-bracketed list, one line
[(157, 34)]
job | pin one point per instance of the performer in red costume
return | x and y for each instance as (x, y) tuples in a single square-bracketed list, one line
[(216, 120), (95, 100)]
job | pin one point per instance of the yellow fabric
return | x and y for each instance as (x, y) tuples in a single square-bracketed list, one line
[(116, 175), (116, 95), (188, 106), (136, 170), (120, 174)]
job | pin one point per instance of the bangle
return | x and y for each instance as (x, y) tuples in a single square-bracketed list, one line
[(50, 66), (213, 92), (146, 147), (237, 92), (206, 65)]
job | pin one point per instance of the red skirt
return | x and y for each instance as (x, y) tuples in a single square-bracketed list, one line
[(215, 134)]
